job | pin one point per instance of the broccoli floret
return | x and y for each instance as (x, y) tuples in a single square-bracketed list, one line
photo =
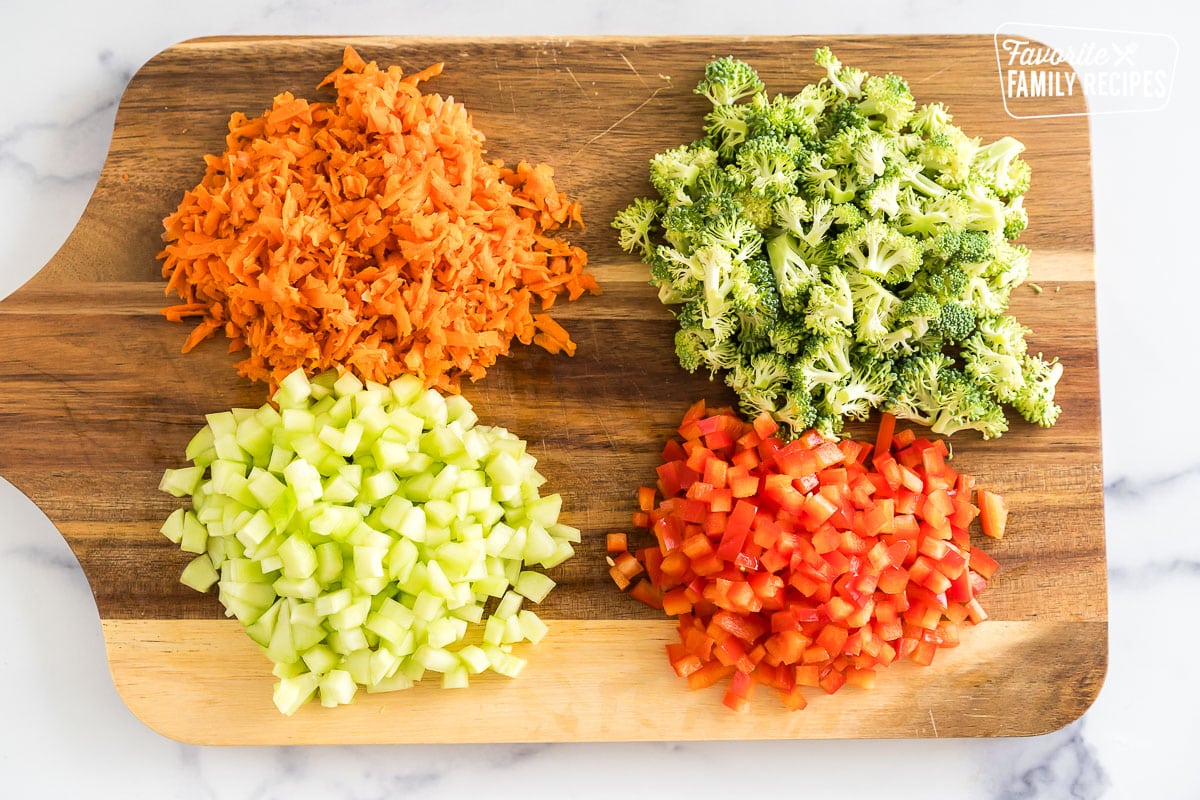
[(874, 306), (782, 116), (1000, 165), (761, 377), (819, 216), (865, 387), (676, 275), (965, 405), (791, 213), (698, 347), (726, 127), (929, 390), (830, 307), (814, 100), (881, 251), (682, 226), (793, 274), (847, 215), (824, 361), (635, 224), (985, 210), (1010, 267), (717, 186), (838, 148), (949, 153), (914, 394), (917, 215), (1035, 399), (955, 322), (947, 284), (1016, 218), (882, 198), (674, 172), (911, 324), (768, 166), (694, 314), (918, 311), (755, 207), (983, 295), (822, 180), (843, 117), (827, 424), (728, 80), (886, 102), (930, 119), (973, 247), (861, 149), (757, 300), (736, 234), (718, 274), (846, 81), (795, 412), (689, 346), (913, 178), (788, 335), (993, 355)]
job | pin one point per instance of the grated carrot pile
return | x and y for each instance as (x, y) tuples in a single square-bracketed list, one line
[(370, 233)]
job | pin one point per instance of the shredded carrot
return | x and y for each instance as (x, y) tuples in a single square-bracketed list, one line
[(371, 234)]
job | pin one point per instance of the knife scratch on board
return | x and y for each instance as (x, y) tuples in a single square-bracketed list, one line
[(629, 64), (933, 722), (931, 75), (618, 123), (577, 83)]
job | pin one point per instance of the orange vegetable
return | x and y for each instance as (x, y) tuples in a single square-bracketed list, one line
[(993, 513), (823, 562), (370, 233)]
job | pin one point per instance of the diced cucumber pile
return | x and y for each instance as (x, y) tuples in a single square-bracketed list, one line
[(358, 532)]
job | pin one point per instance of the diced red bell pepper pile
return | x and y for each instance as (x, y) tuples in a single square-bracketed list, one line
[(808, 563)]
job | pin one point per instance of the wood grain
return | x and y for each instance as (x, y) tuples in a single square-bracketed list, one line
[(95, 401)]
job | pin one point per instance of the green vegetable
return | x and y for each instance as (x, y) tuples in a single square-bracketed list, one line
[(844, 249), (358, 532)]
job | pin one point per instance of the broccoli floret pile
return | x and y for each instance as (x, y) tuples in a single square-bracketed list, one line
[(844, 249)]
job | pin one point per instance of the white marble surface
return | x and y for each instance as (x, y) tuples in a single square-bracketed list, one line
[(64, 731)]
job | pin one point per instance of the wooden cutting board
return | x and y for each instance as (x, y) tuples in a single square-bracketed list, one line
[(96, 400)]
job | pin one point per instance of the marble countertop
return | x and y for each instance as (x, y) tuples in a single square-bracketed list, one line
[(65, 732)]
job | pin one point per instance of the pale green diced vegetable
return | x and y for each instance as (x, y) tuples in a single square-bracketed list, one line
[(336, 688), (358, 531), (199, 574), (172, 527), (531, 625), (291, 693), (533, 585)]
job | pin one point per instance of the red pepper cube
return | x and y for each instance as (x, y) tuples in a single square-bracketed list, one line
[(893, 580), (765, 425), (833, 638), (960, 588), (982, 563), (737, 697), (737, 528), (645, 591), (889, 630), (832, 681), (993, 513), (709, 675), (862, 678), (715, 472)]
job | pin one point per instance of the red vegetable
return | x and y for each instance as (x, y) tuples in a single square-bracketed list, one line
[(810, 563)]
